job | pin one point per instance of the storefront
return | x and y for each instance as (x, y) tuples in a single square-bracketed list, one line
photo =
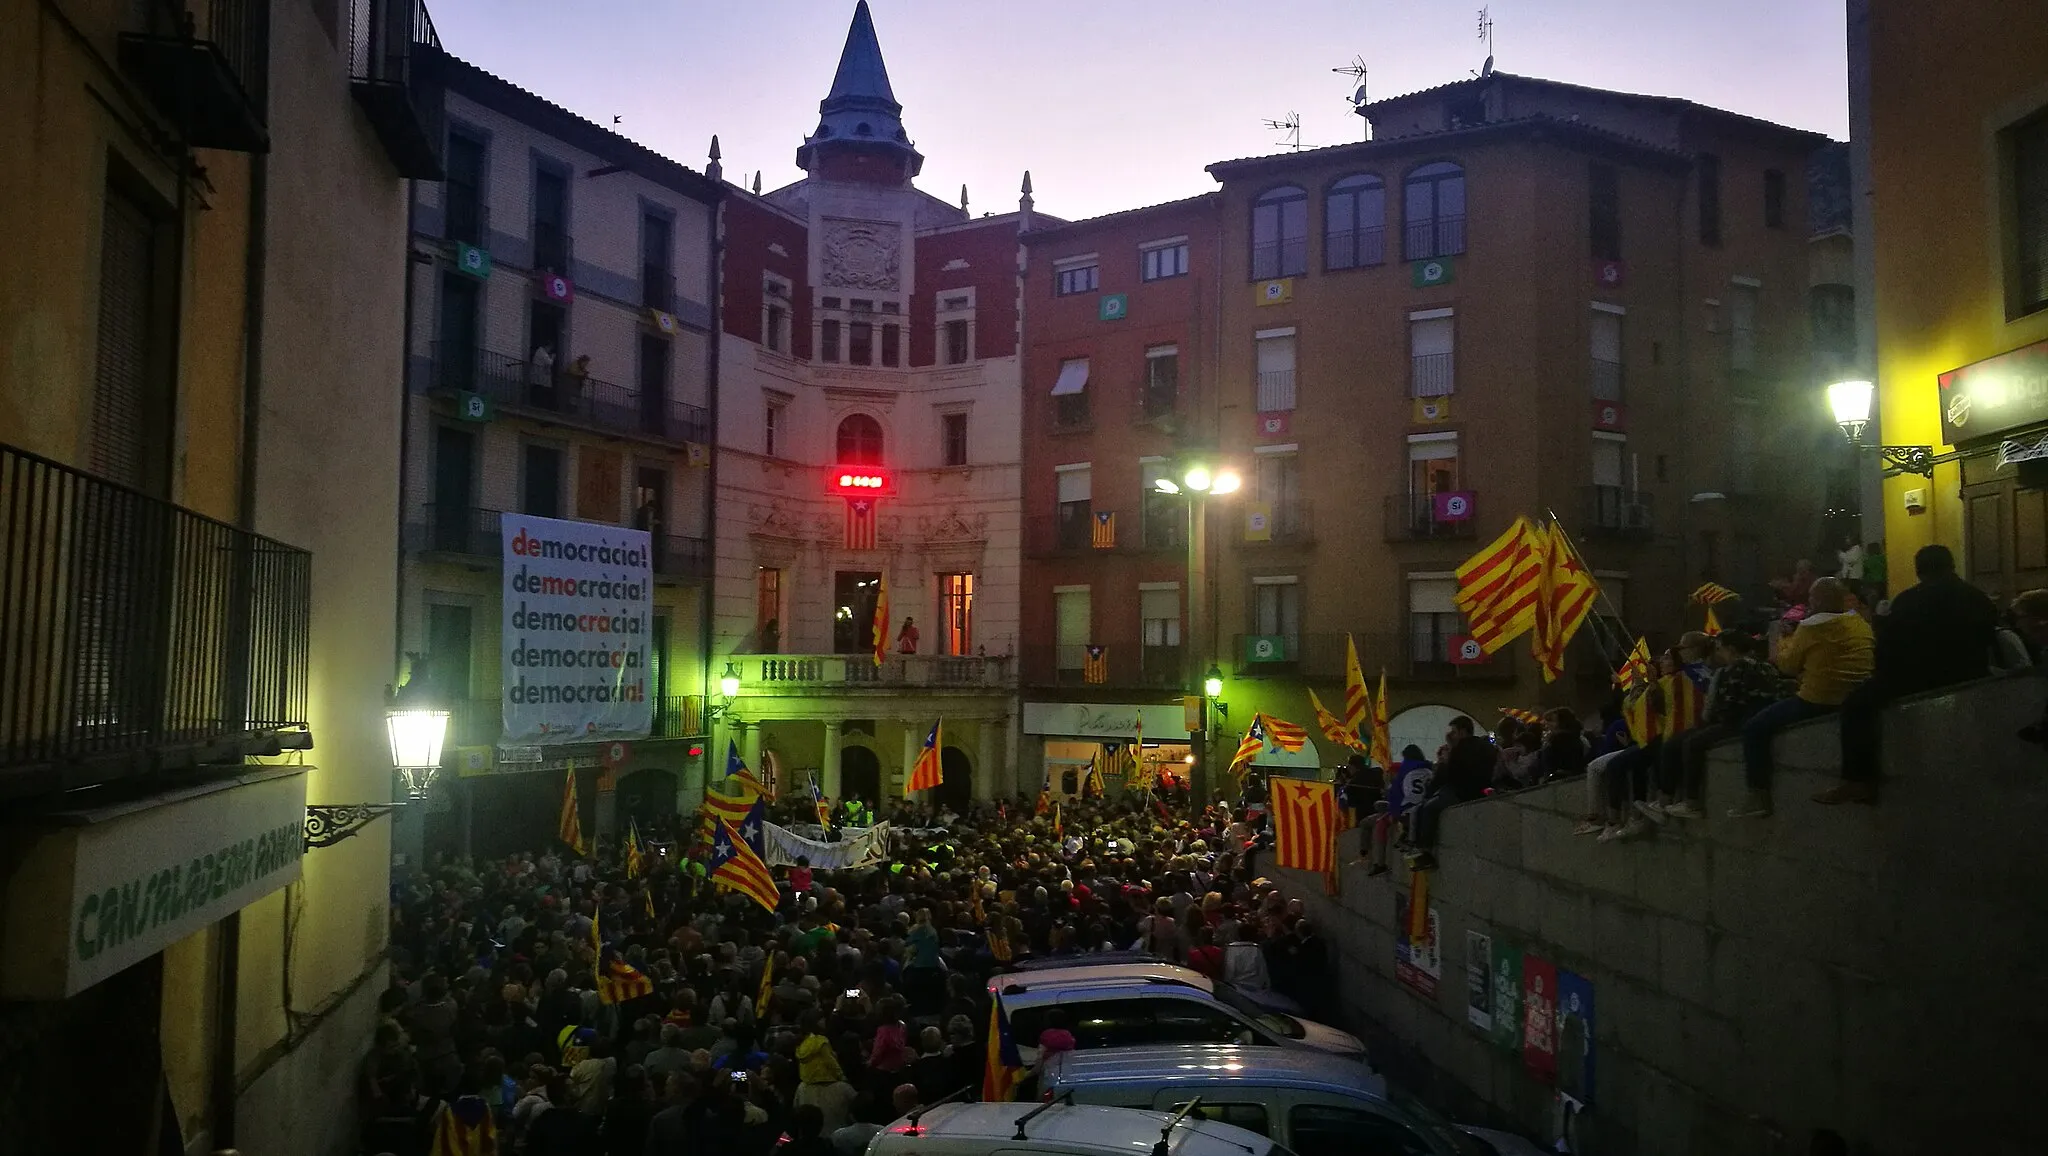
[(1995, 412), (1063, 740)]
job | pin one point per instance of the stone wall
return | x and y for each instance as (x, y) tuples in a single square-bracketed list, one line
[(1875, 970)]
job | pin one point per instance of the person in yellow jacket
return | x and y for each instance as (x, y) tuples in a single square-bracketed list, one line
[(1830, 653)]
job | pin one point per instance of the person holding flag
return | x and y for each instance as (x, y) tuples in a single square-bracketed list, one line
[(927, 772), (735, 866)]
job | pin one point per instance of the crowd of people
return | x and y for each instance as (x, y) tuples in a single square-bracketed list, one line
[(801, 1029)]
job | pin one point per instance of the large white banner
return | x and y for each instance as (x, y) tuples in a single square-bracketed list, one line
[(579, 622)]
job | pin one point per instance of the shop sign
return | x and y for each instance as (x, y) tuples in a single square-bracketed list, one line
[(1995, 395), (118, 884), (1104, 720)]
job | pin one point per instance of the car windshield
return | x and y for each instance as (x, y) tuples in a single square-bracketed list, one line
[(1445, 1133), (1285, 1026)]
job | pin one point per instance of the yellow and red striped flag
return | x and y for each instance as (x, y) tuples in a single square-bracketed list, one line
[(1637, 668), (1565, 597), (1418, 907), (617, 980), (1357, 698), (881, 624), (464, 1127), (1285, 735), (634, 863), (1712, 625), (1685, 703), (926, 773), (1333, 728), (1382, 738), (570, 825), (1641, 715), (734, 865), (766, 991), (1304, 824), (1498, 586), (1710, 593), (1527, 717)]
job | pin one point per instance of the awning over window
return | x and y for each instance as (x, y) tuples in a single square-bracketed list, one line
[(1073, 377)]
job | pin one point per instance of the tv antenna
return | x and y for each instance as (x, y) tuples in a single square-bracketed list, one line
[(1486, 34), (1356, 71), (1290, 129)]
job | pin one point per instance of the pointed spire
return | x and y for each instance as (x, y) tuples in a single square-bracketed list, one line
[(714, 170), (757, 182), (963, 198), (1024, 204), (861, 71), (861, 110)]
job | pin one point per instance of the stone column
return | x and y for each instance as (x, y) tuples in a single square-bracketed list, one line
[(910, 741), (828, 773), (989, 773), (750, 749)]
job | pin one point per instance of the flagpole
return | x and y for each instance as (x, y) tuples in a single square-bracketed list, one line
[(1614, 611)]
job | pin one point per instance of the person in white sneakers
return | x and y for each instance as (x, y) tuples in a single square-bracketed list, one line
[(1741, 685)]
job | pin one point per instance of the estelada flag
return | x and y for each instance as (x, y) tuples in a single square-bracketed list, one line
[(1333, 728), (617, 980), (570, 825), (1498, 586), (1637, 668), (729, 808), (927, 773), (1641, 716), (1095, 665), (1526, 717), (1248, 748), (1102, 535), (734, 865), (464, 1127), (1685, 699), (1304, 824), (1001, 1067)]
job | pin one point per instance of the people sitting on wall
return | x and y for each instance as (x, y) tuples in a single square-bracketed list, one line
[(1938, 632), (1740, 685), (1830, 652), (1617, 740), (1405, 791), (1565, 747), (1627, 775), (1463, 768)]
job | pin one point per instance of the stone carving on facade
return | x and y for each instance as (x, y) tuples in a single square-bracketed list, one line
[(953, 527), (775, 520), (862, 255)]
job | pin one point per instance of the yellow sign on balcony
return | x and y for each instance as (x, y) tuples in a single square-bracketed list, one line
[(1278, 291)]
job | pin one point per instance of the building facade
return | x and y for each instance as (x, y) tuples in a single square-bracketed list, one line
[(1958, 204), (561, 365), (867, 431), (202, 327)]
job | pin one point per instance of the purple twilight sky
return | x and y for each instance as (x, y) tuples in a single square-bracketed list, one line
[(1114, 104)]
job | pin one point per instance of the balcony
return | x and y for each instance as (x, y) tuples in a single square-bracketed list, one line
[(1051, 536), (479, 722), (1442, 236), (394, 74), (1413, 518), (679, 558), (519, 386), (1286, 523), (206, 66), (1606, 380), (1617, 512), (1127, 664), (1425, 658), (137, 635), (471, 532), (810, 673)]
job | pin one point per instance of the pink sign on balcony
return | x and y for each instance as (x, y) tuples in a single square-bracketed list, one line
[(556, 287), (1451, 506)]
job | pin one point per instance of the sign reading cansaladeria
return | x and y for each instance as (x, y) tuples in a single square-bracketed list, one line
[(579, 610)]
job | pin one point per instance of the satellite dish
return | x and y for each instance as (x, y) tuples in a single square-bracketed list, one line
[(1358, 97), (1487, 68)]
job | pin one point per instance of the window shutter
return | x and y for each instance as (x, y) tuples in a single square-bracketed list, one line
[(1606, 337), (2030, 191), (1276, 374), (1154, 605), (1071, 617), (1432, 596), (1076, 485), (121, 384)]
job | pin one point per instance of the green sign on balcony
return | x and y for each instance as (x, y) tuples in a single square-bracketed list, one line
[(1435, 271), (472, 260), (1113, 307), (472, 406), (1267, 648)]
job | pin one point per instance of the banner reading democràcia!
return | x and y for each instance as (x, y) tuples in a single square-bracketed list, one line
[(578, 625)]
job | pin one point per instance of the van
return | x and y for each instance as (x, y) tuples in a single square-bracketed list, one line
[(1062, 1129), (1151, 1003), (1314, 1105)]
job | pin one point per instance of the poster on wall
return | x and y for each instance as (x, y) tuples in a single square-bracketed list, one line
[(1479, 981), (1539, 1018), (1417, 961), (1507, 996), (578, 615), (1575, 1036)]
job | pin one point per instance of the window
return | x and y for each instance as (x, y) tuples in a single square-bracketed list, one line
[(545, 323), (1158, 262), (860, 343), (1432, 465), (1433, 618), (1709, 171), (1076, 489), (449, 642), (551, 220), (1162, 380), (1742, 328), (1433, 214), (1276, 484), (1280, 233), (1251, 1117), (1604, 211), (1188, 1021), (541, 482), (956, 342), (853, 610), (1159, 616), (768, 609), (892, 345), (1070, 393), (654, 359), (859, 441), (828, 340), (1431, 336), (1275, 364), (1324, 1130), (2029, 268), (657, 283), (1355, 223), (454, 487), (462, 195), (455, 360), (1606, 355), (956, 614), (953, 438), (1073, 279), (775, 314), (1165, 515), (1774, 199), (136, 341), (828, 302), (650, 499), (773, 417), (1276, 609), (1609, 450), (597, 484), (1833, 309), (1072, 625)]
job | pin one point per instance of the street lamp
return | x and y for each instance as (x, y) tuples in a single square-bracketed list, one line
[(1199, 479), (1850, 401), (1212, 684), (417, 728), (729, 682)]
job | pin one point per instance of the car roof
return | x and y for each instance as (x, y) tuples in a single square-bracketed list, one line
[(1092, 959), (1248, 1066), (1071, 1127), (1065, 977)]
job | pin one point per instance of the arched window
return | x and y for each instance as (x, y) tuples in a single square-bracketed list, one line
[(860, 441), (1280, 233), (1433, 214), (1355, 223)]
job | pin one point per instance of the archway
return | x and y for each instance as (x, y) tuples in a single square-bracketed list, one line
[(860, 775), (957, 791), (1422, 726), (648, 797)]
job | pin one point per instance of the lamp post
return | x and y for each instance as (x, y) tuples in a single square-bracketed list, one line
[(1199, 480), (1850, 401), (417, 727)]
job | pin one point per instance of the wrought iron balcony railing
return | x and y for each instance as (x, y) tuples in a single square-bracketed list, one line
[(394, 73)]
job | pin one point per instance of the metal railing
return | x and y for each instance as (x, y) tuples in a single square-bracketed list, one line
[(1126, 663), (681, 556), (449, 528), (1047, 535), (1439, 236), (206, 65), (1414, 516), (1288, 522), (1618, 512), (1355, 248), (523, 384), (1431, 375), (398, 86), (1606, 380), (1425, 656), (129, 625), (479, 722), (802, 671), (1287, 257)]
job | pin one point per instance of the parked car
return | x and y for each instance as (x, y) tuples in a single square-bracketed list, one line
[(1315, 1105), (1062, 1129), (1151, 1003), (1269, 1000)]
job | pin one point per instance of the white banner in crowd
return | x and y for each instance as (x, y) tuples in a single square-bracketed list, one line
[(857, 847), (579, 612)]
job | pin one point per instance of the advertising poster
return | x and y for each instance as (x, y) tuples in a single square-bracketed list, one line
[(1507, 996), (1417, 962), (1539, 1018), (578, 623), (1575, 1036), (1479, 981)]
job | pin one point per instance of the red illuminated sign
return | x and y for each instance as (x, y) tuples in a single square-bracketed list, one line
[(864, 481)]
